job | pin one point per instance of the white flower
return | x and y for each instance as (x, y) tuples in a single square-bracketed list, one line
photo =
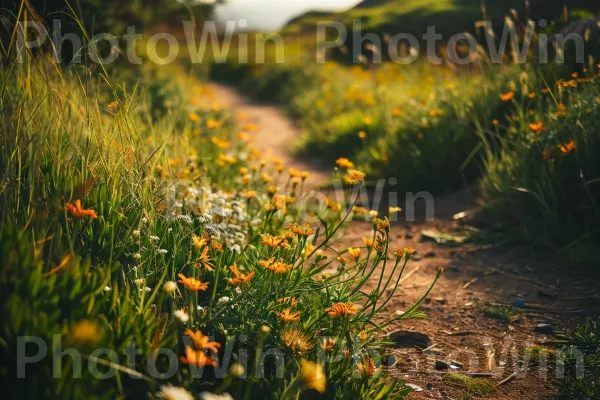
[(181, 316), (212, 396), (154, 238), (200, 309), (137, 256), (163, 251), (139, 281), (107, 288), (223, 300), (235, 248), (144, 220), (136, 233), (177, 205), (170, 287), (170, 392), (147, 289)]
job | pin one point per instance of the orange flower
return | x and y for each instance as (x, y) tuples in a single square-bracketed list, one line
[(288, 316), (366, 368), (301, 230), (354, 176), (77, 211), (197, 358), (507, 96), (193, 284), (328, 344), (566, 148), (212, 123), (344, 163), (240, 278), (204, 261), (202, 342), (288, 300), (272, 241), (341, 309), (275, 266), (362, 134), (536, 127)]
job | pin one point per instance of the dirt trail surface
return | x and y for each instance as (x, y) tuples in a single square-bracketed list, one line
[(476, 277)]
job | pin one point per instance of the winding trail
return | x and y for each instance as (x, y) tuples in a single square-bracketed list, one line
[(276, 132), (475, 276)]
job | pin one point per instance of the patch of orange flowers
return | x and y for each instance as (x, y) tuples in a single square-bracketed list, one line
[(507, 96), (288, 316), (78, 211)]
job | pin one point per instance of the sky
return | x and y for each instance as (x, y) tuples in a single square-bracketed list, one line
[(269, 15)]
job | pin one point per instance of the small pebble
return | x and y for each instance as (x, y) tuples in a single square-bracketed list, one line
[(519, 303), (543, 328)]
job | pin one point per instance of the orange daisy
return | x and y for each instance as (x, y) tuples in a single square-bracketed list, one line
[(197, 358), (342, 309), (193, 284), (288, 316), (240, 278), (78, 211)]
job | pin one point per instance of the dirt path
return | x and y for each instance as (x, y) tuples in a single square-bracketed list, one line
[(475, 277)]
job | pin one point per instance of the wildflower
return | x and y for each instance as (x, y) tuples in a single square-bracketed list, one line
[(566, 148), (204, 261), (313, 376), (288, 316), (78, 211), (341, 309), (536, 127), (170, 287), (507, 96), (328, 344), (296, 340), (363, 336), (170, 392), (359, 210), (240, 278), (407, 251), (495, 122), (382, 224), (362, 134), (343, 260), (202, 342), (198, 241), (223, 300), (396, 112), (301, 230), (111, 106), (354, 252), (136, 233), (271, 241), (332, 205), (249, 194), (211, 123), (272, 189), (344, 163), (376, 244), (354, 176), (85, 332), (193, 284), (139, 281), (193, 117), (163, 251), (394, 210), (197, 358), (289, 300), (366, 368)]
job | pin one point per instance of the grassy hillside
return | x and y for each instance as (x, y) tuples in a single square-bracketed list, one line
[(449, 16)]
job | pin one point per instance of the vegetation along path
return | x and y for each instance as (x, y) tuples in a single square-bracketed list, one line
[(493, 305)]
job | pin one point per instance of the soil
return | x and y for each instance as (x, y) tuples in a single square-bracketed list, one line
[(475, 277)]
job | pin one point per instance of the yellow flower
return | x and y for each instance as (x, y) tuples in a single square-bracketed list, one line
[(366, 368), (332, 205), (313, 376), (85, 332), (382, 225), (288, 316), (328, 344), (296, 340), (289, 300), (301, 230), (394, 210), (204, 260), (193, 117), (341, 309), (354, 252), (354, 176), (273, 241), (199, 242)]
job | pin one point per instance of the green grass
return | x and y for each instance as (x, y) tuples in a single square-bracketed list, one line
[(471, 386), (506, 314)]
